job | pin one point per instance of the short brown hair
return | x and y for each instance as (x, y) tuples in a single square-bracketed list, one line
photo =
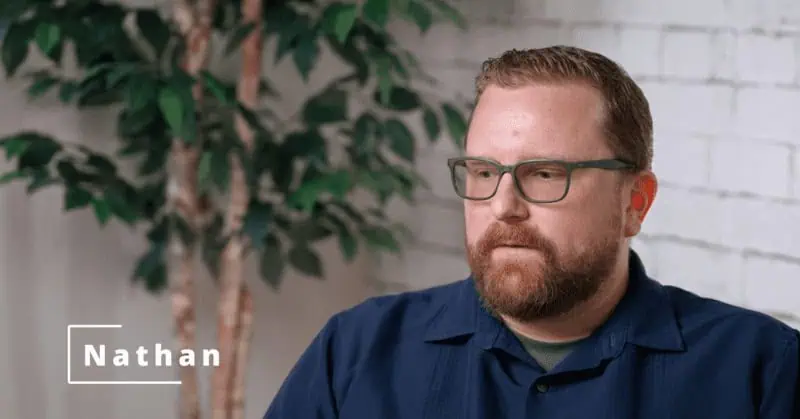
[(628, 125)]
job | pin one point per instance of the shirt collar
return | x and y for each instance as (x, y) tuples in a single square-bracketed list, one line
[(644, 317)]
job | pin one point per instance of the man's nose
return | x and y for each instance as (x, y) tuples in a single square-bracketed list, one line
[(507, 204)]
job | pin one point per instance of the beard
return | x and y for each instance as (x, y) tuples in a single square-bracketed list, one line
[(549, 283)]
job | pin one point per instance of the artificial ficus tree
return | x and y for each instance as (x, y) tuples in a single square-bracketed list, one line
[(219, 175)]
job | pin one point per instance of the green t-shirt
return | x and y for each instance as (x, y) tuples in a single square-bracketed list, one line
[(547, 354)]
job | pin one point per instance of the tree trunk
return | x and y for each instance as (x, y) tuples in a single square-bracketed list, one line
[(185, 200), (235, 307), (244, 335)]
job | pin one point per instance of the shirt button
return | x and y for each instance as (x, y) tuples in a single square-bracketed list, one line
[(542, 387)]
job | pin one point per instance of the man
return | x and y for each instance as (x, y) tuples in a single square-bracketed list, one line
[(559, 318)]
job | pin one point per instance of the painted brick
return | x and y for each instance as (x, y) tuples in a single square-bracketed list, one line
[(767, 226), (723, 52), (676, 12), (796, 173), (764, 14), (682, 213), (772, 285), (755, 106), (639, 51), (706, 272), (490, 40), (483, 11), (602, 39), (748, 166), (570, 10), (681, 159), (688, 54), (766, 58), (690, 108)]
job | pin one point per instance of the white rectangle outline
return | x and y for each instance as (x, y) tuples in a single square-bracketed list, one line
[(69, 357)]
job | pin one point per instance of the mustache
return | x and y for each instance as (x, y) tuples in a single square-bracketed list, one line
[(498, 235)]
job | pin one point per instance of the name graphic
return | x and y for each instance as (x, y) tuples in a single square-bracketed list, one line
[(95, 356)]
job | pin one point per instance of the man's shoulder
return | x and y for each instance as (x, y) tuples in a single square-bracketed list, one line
[(703, 318)]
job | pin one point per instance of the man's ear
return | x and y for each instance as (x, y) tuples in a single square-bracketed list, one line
[(642, 194)]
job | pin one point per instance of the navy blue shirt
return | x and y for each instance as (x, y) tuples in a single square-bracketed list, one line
[(436, 353)]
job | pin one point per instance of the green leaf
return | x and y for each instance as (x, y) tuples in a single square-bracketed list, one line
[(329, 106), (348, 245), (308, 231), (400, 99), (305, 55), (456, 124), (120, 203), (383, 66), (204, 171), (380, 237), (41, 85), (309, 144), (401, 140), (272, 264), (257, 222), (102, 210), (377, 11), (171, 106), (420, 15), (48, 36), (156, 281), (217, 88), (237, 36), (154, 29), (306, 260), (119, 74), (343, 19), (67, 90), (16, 145), (76, 197), (102, 164), (40, 178), (141, 92), (338, 184), (39, 152), (150, 261), (431, 123), (11, 176), (220, 169), (15, 45), (364, 131)]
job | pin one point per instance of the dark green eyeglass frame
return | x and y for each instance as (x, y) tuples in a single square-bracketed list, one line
[(605, 164)]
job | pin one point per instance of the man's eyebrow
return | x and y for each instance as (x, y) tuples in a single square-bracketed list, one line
[(527, 157)]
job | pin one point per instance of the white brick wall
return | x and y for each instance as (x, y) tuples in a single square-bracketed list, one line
[(723, 80)]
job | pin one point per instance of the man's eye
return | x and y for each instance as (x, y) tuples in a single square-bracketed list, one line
[(545, 174)]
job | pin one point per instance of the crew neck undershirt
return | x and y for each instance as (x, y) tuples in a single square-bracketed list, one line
[(547, 354)]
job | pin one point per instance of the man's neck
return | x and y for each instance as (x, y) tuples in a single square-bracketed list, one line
[(582, 320)]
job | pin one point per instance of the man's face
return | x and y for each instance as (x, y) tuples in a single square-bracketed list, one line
[(532, 261)]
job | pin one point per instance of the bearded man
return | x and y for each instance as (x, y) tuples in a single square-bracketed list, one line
[(558, 318)]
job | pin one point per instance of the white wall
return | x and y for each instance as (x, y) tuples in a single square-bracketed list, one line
[(722, 78)]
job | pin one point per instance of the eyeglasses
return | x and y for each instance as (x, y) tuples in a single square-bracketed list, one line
[(538, 181)]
